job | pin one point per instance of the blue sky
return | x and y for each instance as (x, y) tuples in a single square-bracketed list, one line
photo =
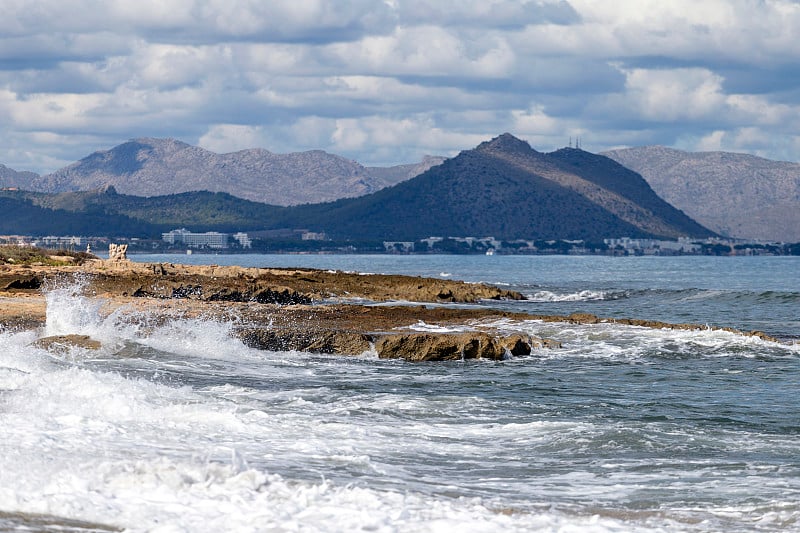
[(385, 82)]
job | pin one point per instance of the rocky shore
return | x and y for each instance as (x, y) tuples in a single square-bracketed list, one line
[(292, 309)]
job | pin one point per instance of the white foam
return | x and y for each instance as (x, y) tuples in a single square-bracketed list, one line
[(197, 337), (580, 296), (424, 327), (283, 448), (612, 341), (161, 494)]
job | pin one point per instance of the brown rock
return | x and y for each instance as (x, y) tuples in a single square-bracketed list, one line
[(314, 341), (20, 280), (62, 342), (439, 346), (519, 344), (419, 347), (583, 318)]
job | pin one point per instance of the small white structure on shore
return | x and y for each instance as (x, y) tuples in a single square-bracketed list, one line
[(117, 252)]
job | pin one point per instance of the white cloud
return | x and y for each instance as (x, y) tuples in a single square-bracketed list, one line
[(418, 135), (387, 81), (225, 138), (429, 51), (674, 94), (536, 122), (485, 13), (202, 20), (711, 142)]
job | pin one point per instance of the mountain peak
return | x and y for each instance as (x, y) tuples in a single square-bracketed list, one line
[(506, 143), (158, 141)]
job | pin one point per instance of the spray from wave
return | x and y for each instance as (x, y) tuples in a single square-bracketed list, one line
[(580, 296)]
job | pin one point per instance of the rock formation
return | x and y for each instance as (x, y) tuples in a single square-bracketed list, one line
[(291, 309), (117, 252)]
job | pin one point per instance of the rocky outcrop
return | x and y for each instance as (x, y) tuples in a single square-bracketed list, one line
[(310, 340), (293, 309), (58, 343), (410, 346), (117, 252), (456, 346), (237, 284)]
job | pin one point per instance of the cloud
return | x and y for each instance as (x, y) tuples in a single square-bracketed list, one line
[(675, 94), (200, 21), (388, 81), (486, 13)]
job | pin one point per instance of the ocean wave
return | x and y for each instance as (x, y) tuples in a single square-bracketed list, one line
[(399, 447), (424, 327), (580, 296), (622, 342), (738, 296)]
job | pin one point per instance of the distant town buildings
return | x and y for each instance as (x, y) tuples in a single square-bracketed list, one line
[(243, 240), (683, 245), (216, 241), (210, 239), (304, 241), (398, 246), (61, 242)]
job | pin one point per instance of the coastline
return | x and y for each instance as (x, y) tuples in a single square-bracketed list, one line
[(318, 311)]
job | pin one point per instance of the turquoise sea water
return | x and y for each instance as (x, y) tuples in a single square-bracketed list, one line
[(178, 427)]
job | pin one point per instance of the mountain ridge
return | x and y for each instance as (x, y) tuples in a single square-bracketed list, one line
[(739, 195), (13, 178), (502, 188), (733, 194), (150, 166)]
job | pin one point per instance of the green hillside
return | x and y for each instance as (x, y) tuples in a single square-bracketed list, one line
[(503, 188)]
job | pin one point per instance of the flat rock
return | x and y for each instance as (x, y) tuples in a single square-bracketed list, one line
[(294, 309), (60, 342)]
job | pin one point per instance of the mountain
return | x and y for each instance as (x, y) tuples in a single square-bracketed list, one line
[(201, 210), (22, 215), (14, 178), (733, 194), (503, 188), (150, 167), (387, 176), (506, 189)]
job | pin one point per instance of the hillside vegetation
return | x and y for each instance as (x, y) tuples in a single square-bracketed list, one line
[(503, 188)]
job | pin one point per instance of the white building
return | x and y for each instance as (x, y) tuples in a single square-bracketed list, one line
[(62, 242), (313, 236), (243, 239), (209, 239), (398, 246)]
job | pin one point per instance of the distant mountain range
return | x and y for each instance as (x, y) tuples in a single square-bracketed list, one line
[(503, 188), (733, 194), (506, 189), (13, 178), (152, 167)]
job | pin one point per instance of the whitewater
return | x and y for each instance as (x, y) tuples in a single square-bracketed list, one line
[(177, 426)]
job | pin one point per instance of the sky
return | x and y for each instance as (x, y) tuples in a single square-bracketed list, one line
[(386, 82)]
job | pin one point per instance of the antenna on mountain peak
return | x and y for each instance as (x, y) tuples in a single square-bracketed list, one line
[(570, 142)]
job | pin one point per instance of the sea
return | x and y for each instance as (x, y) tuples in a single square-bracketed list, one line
[(179, 427)]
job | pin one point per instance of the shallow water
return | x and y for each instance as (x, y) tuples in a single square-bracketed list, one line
[(183, 428)]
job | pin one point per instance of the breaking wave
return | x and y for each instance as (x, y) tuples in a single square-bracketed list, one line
[(580, 296)]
